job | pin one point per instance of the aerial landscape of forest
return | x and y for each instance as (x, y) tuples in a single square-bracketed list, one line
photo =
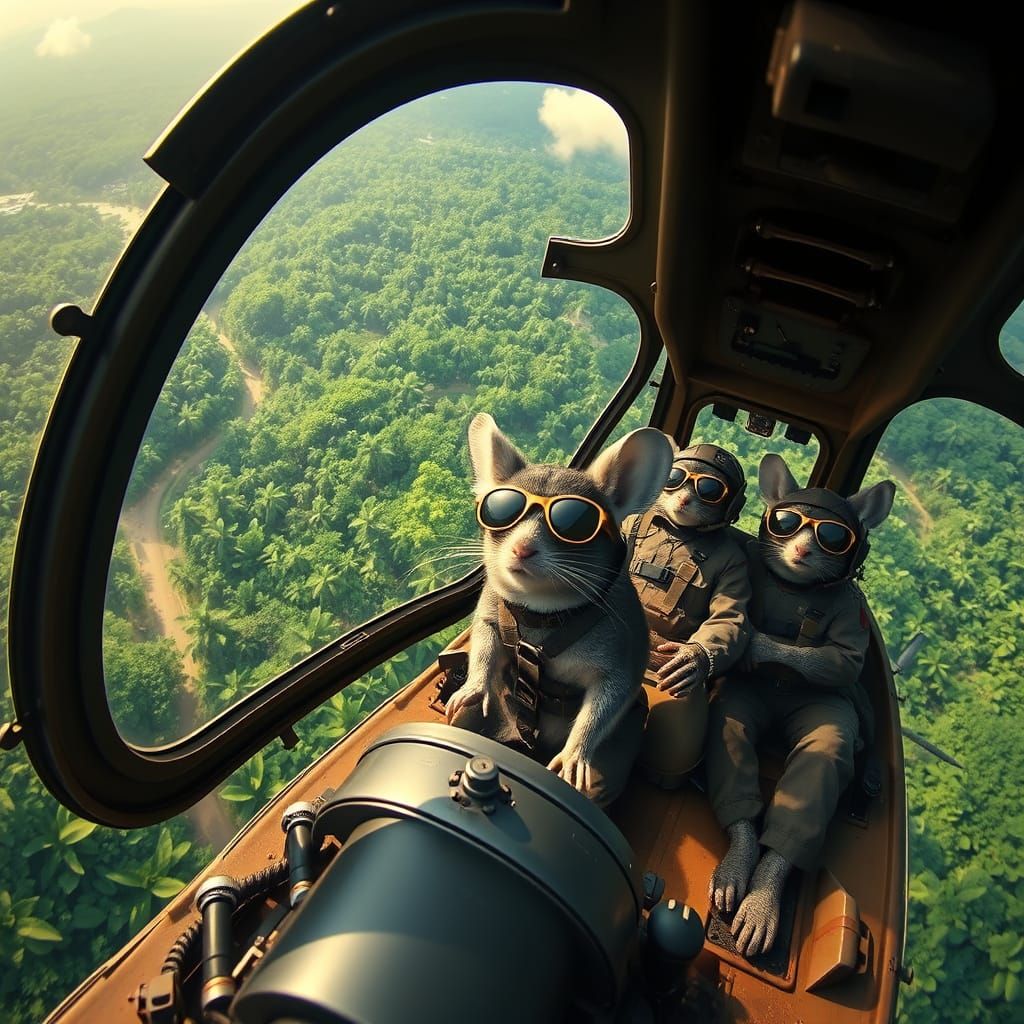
[(306, 468)]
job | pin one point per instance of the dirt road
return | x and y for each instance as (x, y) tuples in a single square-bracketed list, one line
[(153, 554), (925, 517)]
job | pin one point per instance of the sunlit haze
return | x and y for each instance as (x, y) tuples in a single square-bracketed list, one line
[(24, 15)]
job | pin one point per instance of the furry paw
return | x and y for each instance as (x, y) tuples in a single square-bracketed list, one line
[(762, 648), (729, 880), (689, 666), (572, 766), (757, 921), (466, 696)]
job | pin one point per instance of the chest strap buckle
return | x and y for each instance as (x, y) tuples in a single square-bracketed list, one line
[(650, 571), (526, 684)]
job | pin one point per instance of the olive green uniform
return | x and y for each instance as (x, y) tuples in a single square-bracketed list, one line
[(823, 714), (694, 587)]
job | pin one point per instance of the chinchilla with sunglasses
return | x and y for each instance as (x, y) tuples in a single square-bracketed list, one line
[(690, 572), (801, 674), (558, 645)]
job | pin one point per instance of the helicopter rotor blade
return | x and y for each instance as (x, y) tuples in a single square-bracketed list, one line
[(930, 747), (909, 654)]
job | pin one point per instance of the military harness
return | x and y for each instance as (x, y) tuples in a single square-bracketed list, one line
[(533, 690)]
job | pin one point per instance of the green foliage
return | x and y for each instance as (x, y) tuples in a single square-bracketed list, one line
[(147, 879), (144, 680), (203, 391)]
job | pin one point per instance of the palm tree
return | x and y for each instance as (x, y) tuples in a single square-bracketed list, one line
[(321, 580), (227, 690), (195, 379), (312, 633), (221, 537), (409, 391), (184, 575), (184, 518), (190, 418), (208, 629), (318, 512), (367, 527), (271, 499), (275, 556)]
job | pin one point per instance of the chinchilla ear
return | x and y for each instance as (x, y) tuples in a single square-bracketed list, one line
[(775, 479), (873, 504), (494, 457), (633, 471)]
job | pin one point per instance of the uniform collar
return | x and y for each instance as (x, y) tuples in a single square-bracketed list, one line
[(544, 620)]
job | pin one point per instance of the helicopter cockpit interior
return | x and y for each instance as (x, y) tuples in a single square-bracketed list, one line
[(821, 229)]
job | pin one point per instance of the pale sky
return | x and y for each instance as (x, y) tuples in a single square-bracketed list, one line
[(20, 15)]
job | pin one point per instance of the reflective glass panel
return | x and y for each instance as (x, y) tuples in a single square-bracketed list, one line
[(948, 563), (306, 467)]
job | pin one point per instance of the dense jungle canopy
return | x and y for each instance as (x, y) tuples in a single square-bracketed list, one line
[(393, 293)]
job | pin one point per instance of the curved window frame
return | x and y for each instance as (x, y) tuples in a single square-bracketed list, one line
[(239, 147)]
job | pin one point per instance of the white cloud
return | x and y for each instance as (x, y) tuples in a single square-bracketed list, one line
[(581, 122), (64, 38)]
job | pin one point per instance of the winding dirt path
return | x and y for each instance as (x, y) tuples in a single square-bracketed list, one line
[(153, 554), (129, 216), (142, 528), (926, 519)]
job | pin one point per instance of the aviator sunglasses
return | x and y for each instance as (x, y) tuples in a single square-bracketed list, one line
[(570, 517), (834, 537), (708, 488)]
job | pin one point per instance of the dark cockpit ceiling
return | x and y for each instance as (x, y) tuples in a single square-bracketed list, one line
[(836, 263)]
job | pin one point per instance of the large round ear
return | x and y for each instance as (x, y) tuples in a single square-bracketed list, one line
[(633, 471), (873, 504), (494, 457), (775, 479)]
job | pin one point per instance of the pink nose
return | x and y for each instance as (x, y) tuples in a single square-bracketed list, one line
[(523, 551), (800, 551), (684, 500)]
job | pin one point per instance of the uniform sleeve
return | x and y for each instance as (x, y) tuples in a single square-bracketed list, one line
[(725, 632), (847, 637)]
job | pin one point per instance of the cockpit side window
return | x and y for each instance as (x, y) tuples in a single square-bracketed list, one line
[(948, 564), (1011, 339), (306, 467)]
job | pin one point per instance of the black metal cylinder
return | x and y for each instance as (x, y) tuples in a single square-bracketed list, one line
[(216, 900), (411, 924), (297, 823), (471, 885)]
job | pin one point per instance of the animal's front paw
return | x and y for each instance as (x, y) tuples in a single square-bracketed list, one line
[(688, 666), (465, 697), (572, 766), (762, 648)]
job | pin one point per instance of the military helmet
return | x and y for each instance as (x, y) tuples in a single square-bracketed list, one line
[(728, 466), (838, 507)]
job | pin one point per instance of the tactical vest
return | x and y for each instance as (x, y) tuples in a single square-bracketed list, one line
[(671, 576), (795, 617)]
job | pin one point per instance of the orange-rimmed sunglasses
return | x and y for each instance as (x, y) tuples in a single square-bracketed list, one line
[(832, 536), (707, 487), (570, 517)]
